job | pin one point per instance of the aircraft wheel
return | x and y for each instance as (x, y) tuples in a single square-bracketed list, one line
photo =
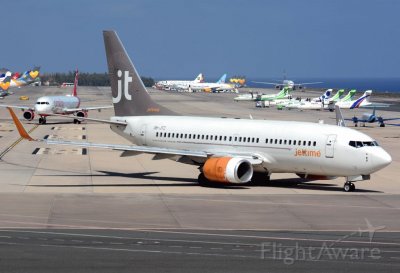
[(348, 186), (382, 125), (42, 120), (76, 121)]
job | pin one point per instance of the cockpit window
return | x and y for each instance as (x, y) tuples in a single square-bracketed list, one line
[(42, 102), (359, 144)]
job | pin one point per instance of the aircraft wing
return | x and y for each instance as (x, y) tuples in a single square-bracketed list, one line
[(133, 149), (305, 83), (273, 83), (23, 108), (375, 105), (72, 110)]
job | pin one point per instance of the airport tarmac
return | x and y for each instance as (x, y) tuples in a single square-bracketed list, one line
[(59, 187)]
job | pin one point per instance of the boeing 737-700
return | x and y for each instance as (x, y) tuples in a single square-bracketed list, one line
[(57, 105), (227, 150)]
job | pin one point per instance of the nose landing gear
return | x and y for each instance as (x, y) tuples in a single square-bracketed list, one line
[(42, 120), (348, 186)]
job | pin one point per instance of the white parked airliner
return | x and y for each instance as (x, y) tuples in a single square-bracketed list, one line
[(228, 151), (57, 105)]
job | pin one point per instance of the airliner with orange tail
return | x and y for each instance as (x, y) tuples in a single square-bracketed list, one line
[(227, 151)]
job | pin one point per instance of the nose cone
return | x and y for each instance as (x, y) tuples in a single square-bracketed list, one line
[(381, 159), (41, 109)]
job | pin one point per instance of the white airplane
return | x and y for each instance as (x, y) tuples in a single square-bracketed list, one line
[(372, 118), (296, 103), (219, 86), (251, 96), (363, 102), (57, 105), (227, 151), (289, 84), (167, 85)]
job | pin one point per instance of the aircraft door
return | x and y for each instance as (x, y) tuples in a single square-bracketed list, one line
[(330, 146), (143, 134)]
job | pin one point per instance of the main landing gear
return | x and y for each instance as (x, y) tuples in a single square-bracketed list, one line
[(42, 120), (348, 186), (77, 121)]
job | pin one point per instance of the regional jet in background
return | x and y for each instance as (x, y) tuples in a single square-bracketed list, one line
[(372, 118), (167, 85), (227, 150), (219, 86), (363, 102), (289, 84), (57, 105)]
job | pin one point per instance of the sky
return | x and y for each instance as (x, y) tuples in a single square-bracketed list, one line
[(178, 39)]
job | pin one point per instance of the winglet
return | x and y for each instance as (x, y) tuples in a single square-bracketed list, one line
[(339, 117), (19, 125)]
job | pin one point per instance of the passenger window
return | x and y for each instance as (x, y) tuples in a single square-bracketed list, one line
[(315, 143), (304, 143), (156, 134), (190, 136), (290, 142), (230, 138), (169, 134), (206, 137), (202, 136), (252, 140), (294, 142), (266, 140), (285, 141), (235, 138), (220, 138), (181, 135), (240, 139), (248, 139), (276, 141), (299, 142), (309, 143), (224, 138), (211, 137), (257, 140), (280, 141)]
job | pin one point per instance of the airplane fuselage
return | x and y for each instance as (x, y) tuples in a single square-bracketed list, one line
[(284, 146), (56, 104)]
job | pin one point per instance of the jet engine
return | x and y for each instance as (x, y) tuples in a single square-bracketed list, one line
[(29, 115), (81, 114), (228, 170)]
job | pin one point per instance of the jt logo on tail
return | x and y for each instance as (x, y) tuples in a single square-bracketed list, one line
[(127, 80)]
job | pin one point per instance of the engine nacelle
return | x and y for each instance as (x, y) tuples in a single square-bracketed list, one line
[(29, 115), (82, 114), (228, 170)]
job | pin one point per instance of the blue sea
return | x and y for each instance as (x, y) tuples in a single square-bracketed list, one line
[(361, 84)]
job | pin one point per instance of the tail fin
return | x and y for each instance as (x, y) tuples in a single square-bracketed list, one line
[(199, 78), (361, 99), (130, 97), (349, 95), (74, 91), (337, 96), (222, 79), (326, 95), (5, 84)]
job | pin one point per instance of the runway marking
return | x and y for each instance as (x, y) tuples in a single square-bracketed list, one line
[(209, 242), (278, 203)]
